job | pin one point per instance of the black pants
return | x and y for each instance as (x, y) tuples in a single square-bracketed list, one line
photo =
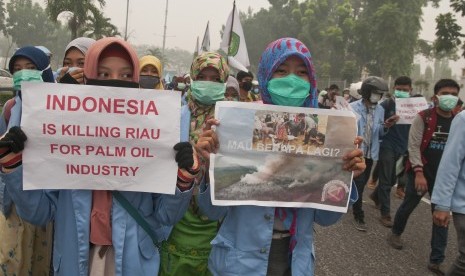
[(279, 263), (360, 183)]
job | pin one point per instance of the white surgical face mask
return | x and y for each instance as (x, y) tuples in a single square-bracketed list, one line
[(375, 98)]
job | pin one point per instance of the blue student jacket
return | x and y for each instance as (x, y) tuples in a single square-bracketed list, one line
[(449, 188), (378, 127), (135, 253), (14, 120), (243, 242)]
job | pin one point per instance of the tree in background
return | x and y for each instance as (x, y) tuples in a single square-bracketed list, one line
[(25, 18), (268, 25), (387, 34), (2, 16), (344, 36), (98, 26), (328, 28), (27, 23), (83, 14), (448, 33)]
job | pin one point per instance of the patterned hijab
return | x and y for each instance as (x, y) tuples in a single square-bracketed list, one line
[(201, 113), (152, 60), (210, 59), (276, 53)]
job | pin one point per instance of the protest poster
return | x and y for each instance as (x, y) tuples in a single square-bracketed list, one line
[(281, 156), (99, 138), (408, 108)]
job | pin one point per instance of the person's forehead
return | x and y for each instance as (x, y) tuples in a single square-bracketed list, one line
[(23, 61), (149, 67), (449, 89)]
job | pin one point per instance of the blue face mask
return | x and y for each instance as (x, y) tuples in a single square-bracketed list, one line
[(289, 91), (208, 92), (401, 94)]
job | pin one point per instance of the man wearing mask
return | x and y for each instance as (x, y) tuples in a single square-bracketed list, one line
[(394, 146), (427, 139), (371, 127), (245, 85)]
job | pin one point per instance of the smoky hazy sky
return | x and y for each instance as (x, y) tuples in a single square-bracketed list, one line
[(187, 19)]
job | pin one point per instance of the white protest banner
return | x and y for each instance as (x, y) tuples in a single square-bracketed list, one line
[(99, 138), (408, 108), (282, 156)]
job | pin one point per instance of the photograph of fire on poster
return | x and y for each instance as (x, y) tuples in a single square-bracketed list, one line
[(283, 177), (282, 157), (289, 132)]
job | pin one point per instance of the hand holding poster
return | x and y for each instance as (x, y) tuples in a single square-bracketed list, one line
[(408, 108), (281, 156), (102, 138)]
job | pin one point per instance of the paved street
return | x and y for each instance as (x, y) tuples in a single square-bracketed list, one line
[(343, 250)]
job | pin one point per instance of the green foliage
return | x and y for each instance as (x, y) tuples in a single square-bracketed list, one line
[(26, 18), (448, 32), (86, 18), (98, 26), (2, 16), (5, 96)]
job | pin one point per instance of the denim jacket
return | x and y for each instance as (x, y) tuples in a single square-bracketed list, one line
[(14, 120), (378, 128)]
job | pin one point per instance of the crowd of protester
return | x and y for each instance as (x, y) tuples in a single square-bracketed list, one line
[(89, 232)]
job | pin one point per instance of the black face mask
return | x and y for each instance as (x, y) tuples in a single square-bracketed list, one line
[(246, 85), (113, 82), (149, 82)]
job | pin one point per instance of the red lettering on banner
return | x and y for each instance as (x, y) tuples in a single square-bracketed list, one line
[(114, 170), (101, 105)]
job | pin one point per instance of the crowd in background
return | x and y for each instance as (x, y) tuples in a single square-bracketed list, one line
[(93, 232)]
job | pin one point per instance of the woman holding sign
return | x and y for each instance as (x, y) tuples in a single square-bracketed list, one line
[(103, 232), (254, 240), (24, 247), (187, 249)]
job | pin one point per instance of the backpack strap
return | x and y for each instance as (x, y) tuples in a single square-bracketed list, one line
[(136, 216)]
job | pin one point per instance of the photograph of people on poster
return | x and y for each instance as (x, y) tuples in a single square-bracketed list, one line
[(282, 156)]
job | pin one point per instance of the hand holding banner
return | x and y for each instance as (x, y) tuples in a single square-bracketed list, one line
[(100, 138), (281, 156)]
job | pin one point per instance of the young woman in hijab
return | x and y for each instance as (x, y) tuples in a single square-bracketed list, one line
[(255, 240), (24, 248), (187, 248), (94, 233), (73, 63), (150, 73)]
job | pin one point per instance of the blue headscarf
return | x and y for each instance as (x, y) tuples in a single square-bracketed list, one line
[(276, 53), (38, 57)]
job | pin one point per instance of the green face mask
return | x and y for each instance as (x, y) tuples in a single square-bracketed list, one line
[(447, 102), (26, 75), (401, 94), (289, 91), (208, 92)]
